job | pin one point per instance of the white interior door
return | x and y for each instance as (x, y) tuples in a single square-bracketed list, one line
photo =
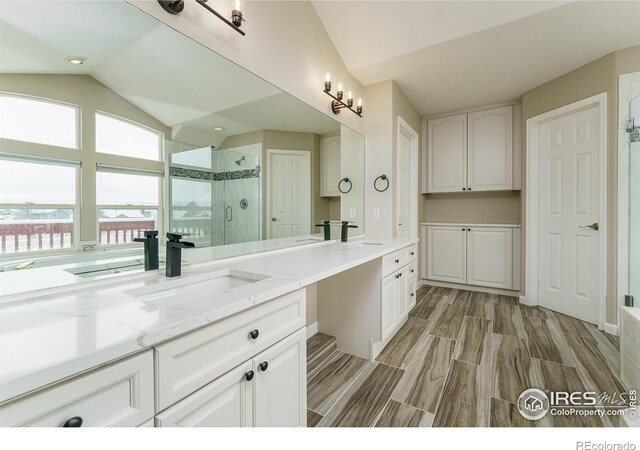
[(289, 191), (403, 183), (569, 252)]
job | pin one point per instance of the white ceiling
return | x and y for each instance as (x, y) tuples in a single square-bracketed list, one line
[(461, 54), (179, 82)]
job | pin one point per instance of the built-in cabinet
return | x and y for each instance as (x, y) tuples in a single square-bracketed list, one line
[(330, 166), (472, 152), (475, 255), (398, 289)]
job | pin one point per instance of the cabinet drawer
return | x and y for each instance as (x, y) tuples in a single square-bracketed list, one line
[(412, 270), (188, 363), (393, 261), (120, 394), (412, 252)]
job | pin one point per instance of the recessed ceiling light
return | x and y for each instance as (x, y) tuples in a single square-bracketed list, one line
[(218, 128), (77, 60)]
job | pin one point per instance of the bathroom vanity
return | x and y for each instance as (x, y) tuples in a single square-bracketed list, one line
[(222, 345)]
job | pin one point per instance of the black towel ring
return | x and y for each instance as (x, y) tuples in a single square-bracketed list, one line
[(383, 178), (345, 180)]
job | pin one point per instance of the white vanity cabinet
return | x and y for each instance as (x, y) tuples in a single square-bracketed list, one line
[(117, 395), (472, 152), (247, 370), (397, 289), (474, 255), (329, 166), (268, 390)]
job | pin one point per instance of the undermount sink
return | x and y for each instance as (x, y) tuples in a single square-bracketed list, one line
[(98, 270), (177, 291)]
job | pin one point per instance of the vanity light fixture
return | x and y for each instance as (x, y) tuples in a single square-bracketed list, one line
[(76, 60), (337, 104), (177, 6)]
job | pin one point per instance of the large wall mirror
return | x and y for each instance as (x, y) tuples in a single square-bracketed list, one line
[(112, 123)]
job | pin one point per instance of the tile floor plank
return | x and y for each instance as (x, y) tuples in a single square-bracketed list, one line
[(362, 403), (511, 368), (449, 321), (506, 300), (398, 414), (546, 342), (474, 343), (505, 414), (422, 382), (570, 325), (459, 297), (507, 320), (533, 311), (402, 346), (428, 308), (313, 418), (481, 305), (466, 397)]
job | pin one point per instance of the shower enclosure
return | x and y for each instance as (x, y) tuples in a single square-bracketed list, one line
[(634, 201), (215, 195)]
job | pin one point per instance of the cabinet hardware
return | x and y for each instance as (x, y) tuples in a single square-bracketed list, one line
[(468, 189), (468, 229), (412, 253), (413, 270), (254, 334), (74, 422), (413, 295), (397, 261), (264, 366), (464, 189), (464, 229), (593, 226), (249, 375)]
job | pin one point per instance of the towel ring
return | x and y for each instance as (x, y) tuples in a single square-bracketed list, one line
[(345, 180), (383, 178)]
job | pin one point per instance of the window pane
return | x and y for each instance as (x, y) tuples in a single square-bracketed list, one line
[(126, 189), (118, 137), (27, 182), (119, 226), (30, 120), (29, 229)]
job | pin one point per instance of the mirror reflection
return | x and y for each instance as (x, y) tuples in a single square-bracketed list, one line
[(106, 132)]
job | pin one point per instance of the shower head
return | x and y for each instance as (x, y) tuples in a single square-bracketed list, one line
[(238, 162)]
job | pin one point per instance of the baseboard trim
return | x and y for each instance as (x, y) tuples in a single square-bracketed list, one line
[(312, 329), (611, 328), (523, 300), (468, 287)]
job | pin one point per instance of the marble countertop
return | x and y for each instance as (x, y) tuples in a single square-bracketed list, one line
[(57, 333), (464, 224)]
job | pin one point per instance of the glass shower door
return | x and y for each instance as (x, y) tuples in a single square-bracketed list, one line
[(634, 203)]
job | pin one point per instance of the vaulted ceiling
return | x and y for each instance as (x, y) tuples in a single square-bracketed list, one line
[(449, 55)]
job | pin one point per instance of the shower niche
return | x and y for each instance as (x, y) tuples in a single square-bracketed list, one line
[(215, 194)]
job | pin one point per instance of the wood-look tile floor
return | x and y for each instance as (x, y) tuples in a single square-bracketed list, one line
[(462, 359)]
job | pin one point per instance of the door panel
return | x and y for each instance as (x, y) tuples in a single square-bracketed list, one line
[(490, 257), (388, 305), (290, 185), (570, 199), (403, 182), (446, 254), (447, 154), (281, 388)]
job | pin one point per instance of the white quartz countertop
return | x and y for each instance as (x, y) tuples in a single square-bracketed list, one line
[(464, 224), (60, 332)]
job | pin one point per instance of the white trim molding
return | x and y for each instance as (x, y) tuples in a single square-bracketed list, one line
[(312, 329), (468, 287), (533, 201), (611, 328)]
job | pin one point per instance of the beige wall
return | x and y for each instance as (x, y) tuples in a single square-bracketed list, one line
[(485, 207), (286, 44), (91, 96), (594, 78)]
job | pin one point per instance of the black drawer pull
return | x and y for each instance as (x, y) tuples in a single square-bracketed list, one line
[(254, 334), (397, 261), (249, 375), (74, 422), (264, 366)]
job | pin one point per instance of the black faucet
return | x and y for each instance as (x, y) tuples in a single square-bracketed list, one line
[(327, 229), (150, 239), (174, 254), (344, 233)]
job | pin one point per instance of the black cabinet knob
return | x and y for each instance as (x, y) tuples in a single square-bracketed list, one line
[(468, 189), (249, 375), (412, 294), (413, 270), (74, 422), (397, 261), (412, 253), (464, 189), (254, 334), (264, 366), (464, 229)]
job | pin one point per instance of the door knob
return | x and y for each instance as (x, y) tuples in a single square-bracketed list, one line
[(273, 219), (593, 226)]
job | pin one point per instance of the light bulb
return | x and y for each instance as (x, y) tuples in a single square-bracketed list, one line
[(327, 77), (340, 87), (349, 95), (236, 5), (359, 102)]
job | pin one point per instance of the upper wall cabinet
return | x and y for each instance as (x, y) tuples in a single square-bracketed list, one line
[(472, 152), (329, 166), (490, 150), (447, 154)]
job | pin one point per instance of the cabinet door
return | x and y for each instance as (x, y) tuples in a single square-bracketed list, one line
[(447, 154), (401, 295), (280, 395), (490, 153), (410, 294), (329, 166), (490, 257), (388, 317), (225, 402), (446, 254)]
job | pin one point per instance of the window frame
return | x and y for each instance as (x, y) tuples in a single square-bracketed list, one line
[(160, 135)]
